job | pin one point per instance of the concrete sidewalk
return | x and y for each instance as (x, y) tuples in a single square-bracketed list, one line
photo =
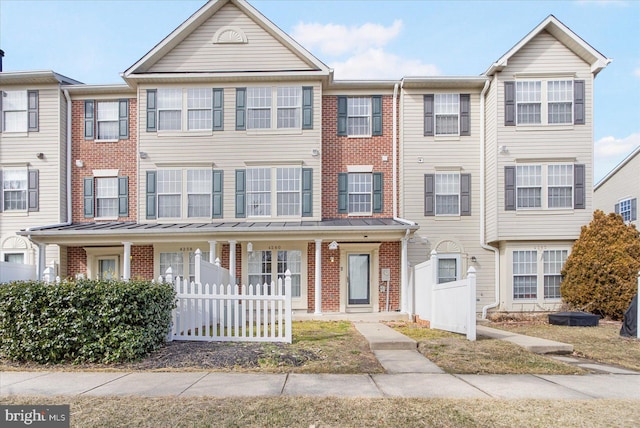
[(416, 385)]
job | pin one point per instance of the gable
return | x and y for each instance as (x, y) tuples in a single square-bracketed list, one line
[(546, 54), (218, 45)]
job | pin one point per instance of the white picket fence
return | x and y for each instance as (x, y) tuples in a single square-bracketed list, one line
[(229, 312), (450, 306)]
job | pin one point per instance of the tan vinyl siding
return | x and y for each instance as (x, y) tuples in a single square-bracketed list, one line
[(544, 144), (197, 52), (439, 154), (624, 184), (491, 155), (229, 150)]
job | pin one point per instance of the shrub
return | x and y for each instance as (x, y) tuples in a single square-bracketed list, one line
[(83, 321), (600, 275)]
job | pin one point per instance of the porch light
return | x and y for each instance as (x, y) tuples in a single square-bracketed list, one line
[(333, 245), (249, 247)]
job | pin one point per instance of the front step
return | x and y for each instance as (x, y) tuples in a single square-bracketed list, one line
[(382, 337)]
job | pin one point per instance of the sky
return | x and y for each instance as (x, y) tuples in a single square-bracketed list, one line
[(93, 41)]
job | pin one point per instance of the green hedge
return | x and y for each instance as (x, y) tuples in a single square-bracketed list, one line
[(84, 320)]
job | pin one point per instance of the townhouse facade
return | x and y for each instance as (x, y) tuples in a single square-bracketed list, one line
[(619, 190), (229, 137)]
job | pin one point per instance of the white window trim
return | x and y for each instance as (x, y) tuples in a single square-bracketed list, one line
[(448, 256), (435, 193), (370, 116), (620, 202), (273, 109), (97, 121), (544, 103), (95, 183), (273, 190), (25, 170), (544, 184), (184, 116), (539, 274), (349, 193), (184, 195), (4, 110), (436, 114)]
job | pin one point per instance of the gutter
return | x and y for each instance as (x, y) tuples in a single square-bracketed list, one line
[(483, 243)]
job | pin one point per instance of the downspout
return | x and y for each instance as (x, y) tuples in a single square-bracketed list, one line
[(483, 243)]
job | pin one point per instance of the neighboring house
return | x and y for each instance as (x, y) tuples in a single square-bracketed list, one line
[(619, 190), (230, 137), (33, 161)]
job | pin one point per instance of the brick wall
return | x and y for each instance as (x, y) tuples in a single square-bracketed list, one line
[(119, 155), (141, 261), (224, 259), (340, 151), (76, 261)]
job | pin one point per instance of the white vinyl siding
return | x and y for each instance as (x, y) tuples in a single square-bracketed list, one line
[(107, 197), (447, 114), (447, 190), (359, 116), (14, 111), (107, 120)]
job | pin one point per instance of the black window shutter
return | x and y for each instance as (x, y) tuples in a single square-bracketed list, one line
[(377, 192), (241, 201), (88, 120), (307, 107), (34, 190), (307, 192), (123, 196), (579, 190), (218, 176), (218, 109), (510, 188), (465, 114), (429, 195), (376, 115), (123, 119), (88, 197), (465, 194), (152, 111), (510, 103), (241, 109), (151, 195), (342, 115), (32, 111), (1, 117), (634, 209), (343, 192), (428, 115), (578, 102)]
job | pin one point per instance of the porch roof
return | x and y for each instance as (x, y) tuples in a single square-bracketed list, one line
[(382, 228)]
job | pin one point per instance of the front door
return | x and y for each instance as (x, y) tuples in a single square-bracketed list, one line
[(358, 279)]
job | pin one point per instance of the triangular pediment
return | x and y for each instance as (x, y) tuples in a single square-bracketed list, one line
[(227, 36)]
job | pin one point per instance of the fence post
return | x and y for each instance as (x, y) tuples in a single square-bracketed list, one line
[(168, 275), (471, 314), (217, 262), (47, 275), (197, 265), (287, 304), (434, 282)]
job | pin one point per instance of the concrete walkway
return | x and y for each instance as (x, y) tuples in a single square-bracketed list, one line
[(409, 374)]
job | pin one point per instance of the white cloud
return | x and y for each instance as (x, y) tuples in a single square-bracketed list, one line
[(608, 147), (379, 64), (636, 72), (334, 40)]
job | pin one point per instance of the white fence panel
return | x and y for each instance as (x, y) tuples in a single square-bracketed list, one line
[(211, 273), (423, 286), (220, 312), (10, 272)]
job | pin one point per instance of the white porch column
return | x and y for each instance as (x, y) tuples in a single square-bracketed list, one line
[(213, 245), (126, 265), (404, 282), (42, 259), (232, 258), (318, 275)]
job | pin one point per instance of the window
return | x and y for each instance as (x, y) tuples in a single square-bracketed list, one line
[(359, 116), (628, 209), (447, 194), (107, 197), (199, 193), (292, 261), (107, 120), (169, 109), (259, 108), (261, 268), (169, 193), (560, 99), (531, 187), (525, 275), (288, 107), (14, 258), (14, 189), (199, 109), (175, 260), (528, 102), (544, 102), (553, 262), (446, 112), (287, 189), (527, 272), (19, 111), (360, 192), (447, 269)]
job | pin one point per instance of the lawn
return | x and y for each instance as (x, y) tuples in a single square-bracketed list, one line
[(602, 343), (336, 412)]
